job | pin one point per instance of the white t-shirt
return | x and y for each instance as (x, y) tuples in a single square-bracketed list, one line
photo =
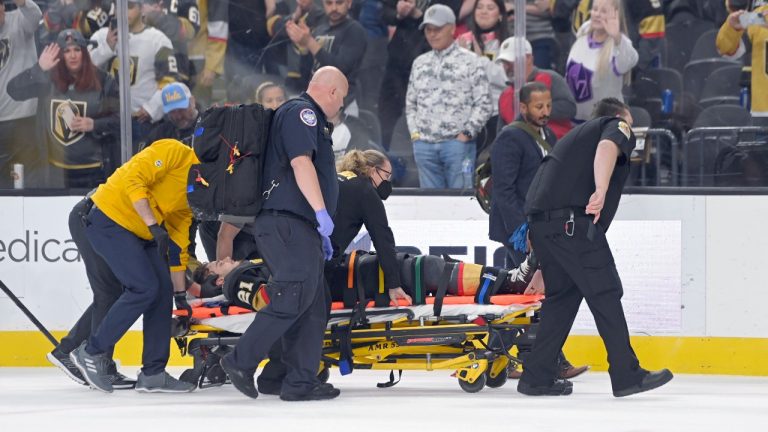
[(17, 54)]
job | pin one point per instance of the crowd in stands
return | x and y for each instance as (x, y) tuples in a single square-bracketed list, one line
[(431, 91)]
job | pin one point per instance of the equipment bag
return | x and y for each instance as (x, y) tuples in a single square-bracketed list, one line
[(230, 143)]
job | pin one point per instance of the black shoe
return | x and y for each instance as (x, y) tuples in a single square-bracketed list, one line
[(241, 379), (63, 362), (319, 392), (270, 388), (118, 380), (560, 387), (651, 381)]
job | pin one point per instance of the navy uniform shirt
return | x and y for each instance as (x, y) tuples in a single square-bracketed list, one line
[(566, 177), (299, 127)]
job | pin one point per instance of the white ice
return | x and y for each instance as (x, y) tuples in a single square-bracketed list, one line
[(44, 399)]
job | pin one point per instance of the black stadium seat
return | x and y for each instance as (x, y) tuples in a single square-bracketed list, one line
[(722, 87)]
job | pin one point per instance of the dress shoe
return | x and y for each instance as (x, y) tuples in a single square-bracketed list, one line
[(559, 387), (572, 371), (649, 382), (319, 392), (241, 379)]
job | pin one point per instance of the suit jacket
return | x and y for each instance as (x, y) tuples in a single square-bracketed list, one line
[(515, 157)]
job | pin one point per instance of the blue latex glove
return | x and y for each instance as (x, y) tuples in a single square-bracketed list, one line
[(519, 238), (327, 248), (324, 223)]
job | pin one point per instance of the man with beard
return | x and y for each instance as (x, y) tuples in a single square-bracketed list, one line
[(181, 115), (515, 157)]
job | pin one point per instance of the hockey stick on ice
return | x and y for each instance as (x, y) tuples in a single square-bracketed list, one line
[(29, 314)]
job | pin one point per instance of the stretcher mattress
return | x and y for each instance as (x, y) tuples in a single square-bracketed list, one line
[(504, 305)]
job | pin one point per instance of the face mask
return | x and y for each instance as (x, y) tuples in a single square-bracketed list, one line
[(384, 189)]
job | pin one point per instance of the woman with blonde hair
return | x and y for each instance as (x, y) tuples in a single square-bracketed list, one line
[(364, 182), (601, 58)]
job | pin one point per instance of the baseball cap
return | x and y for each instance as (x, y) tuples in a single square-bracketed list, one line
[(509, 46), (175, 96), (438, 15), (71, 37)]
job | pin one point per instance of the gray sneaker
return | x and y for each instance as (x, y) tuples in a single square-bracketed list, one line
[(162, 383), (93, 367), (118, 380)]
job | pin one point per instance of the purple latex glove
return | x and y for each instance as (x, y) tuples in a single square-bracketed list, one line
[(325, 223)]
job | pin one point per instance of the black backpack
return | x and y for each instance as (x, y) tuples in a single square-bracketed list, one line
[(230, 143)]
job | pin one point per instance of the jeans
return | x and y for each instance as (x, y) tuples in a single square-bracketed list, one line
[(440, 164)]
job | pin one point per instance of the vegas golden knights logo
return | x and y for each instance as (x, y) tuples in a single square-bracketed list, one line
[(114, 68), (5, 52), (62, 113)]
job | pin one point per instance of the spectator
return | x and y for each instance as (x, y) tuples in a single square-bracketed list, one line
[(270, 95), (17, 53), (181, 114), (600, 59), (730, 44), (407, 43), (645, 27), (538, 30), (207, 50), (307, 12), (77, 110), (375, 60), (84, 16), (337, 41), (563, 104), (247, 42), (180, 21), (447, 103), (153, 65), (488, 28)]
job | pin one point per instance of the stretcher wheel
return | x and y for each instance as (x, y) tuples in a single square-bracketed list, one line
[(475, 386), (323, 375), (497, 382)]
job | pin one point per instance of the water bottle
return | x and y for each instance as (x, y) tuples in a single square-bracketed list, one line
[(667, 101), (744, 98), (466, 172)]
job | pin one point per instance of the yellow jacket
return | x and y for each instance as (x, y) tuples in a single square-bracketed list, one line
[(729, 44), (159, 174)]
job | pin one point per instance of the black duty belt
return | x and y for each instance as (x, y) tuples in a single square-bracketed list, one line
[(557, 214), (288, 214)]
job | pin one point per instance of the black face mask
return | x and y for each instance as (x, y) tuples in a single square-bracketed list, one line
[(384, 189)]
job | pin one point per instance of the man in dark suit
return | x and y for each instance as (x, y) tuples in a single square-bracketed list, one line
[(515, 158)]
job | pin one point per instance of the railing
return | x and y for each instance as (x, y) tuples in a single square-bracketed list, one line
[(725, 156), (655, 161)]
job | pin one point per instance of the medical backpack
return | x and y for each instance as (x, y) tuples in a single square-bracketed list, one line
[(230, 143)]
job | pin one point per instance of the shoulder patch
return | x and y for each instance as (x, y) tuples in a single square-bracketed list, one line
[(625, 129), (308, 117)]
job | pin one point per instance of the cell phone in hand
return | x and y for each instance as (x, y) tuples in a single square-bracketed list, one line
[(751, 18)]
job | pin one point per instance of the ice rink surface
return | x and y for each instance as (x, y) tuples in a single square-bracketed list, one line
[(44, 399)]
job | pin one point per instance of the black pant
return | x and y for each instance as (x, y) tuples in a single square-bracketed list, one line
[(296, 314), (148, 292), (394, 86), (105, 286), (575, 268)]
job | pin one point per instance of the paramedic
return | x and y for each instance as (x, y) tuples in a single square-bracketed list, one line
[(570, 205), (292, 232)]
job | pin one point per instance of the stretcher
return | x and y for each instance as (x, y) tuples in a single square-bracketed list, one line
[(479, 342)]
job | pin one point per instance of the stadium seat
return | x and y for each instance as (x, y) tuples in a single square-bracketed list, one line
[(705, 46), (722, 87), (680, 44), (640, 116), (723, 116), (696, 73)]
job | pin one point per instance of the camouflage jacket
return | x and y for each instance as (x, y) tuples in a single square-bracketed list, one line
[(448, 93)]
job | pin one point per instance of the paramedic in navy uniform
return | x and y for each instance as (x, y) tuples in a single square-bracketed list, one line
[(570, 205), (293, 233)]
